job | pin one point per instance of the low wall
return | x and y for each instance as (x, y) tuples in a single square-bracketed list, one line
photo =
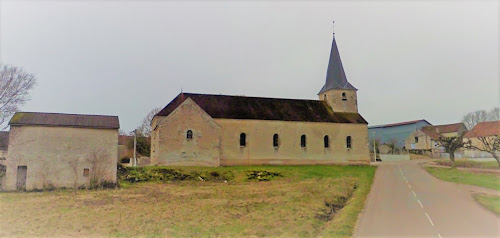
[(390, 157)]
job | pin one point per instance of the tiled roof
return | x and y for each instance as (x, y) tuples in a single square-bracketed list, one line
[(484, 129), (456, 127), (64, 120), (430, 131), (257, 108)]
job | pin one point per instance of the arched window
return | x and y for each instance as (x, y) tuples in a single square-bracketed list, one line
[(348, 142), (303, 141), (324, 97), (243, 139), (275, 140), (344, 97), (326, 141), (189, 134)]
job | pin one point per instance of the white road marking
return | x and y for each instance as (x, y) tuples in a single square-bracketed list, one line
[(414, 194), (409, 186), (439, 235), (422, 206), (428, 217)]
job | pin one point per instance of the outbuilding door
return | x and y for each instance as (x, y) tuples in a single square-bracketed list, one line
[(21, 177)]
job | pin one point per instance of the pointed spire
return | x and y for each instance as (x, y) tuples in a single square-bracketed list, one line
[(335, 75)]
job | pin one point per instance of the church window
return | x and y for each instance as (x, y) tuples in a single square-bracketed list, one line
[(344, 97), (276, 140), (303, 141), (326, 141), (324, 97), (348, 142), (189, 134), (416, 139), (243, 139), (86, 172)]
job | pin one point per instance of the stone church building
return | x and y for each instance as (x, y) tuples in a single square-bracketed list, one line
[(221, 130)]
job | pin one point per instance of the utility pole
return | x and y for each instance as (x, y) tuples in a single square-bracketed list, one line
[(374, 147), (135, 148)]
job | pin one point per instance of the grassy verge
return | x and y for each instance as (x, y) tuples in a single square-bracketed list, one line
[(298, 202), (470, 164), (490, 202), (487, 180)]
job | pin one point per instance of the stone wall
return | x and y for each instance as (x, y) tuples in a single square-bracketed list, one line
[(170, 145), (50, 154), (217, 141), (335, 99)]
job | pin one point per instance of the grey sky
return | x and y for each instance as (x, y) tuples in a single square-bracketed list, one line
[(409, 60)]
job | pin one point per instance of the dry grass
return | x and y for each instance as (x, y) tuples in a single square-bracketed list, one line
[(285, 207)]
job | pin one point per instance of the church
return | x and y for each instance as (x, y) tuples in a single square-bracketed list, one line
[(222, 130)]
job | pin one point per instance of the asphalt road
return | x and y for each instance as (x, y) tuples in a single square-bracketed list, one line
[(406, 201)]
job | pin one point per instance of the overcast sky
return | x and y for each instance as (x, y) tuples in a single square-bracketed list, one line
[(410, 60)]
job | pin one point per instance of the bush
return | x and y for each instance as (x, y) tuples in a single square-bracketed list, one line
[(145, 174), (262, 175)]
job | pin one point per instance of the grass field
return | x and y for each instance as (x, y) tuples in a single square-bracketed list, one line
[(293, 205), (464, 163), (487, 180), (490, 202)]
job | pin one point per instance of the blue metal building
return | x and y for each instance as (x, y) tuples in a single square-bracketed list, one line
[(398, 131)]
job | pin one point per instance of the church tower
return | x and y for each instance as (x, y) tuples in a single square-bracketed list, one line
[(337, 91)]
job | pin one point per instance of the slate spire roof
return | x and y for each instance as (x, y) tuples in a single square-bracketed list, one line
[(335, 75)]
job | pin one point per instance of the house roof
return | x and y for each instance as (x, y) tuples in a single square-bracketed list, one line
[(456, 127), (257, 108), (4, 140), (431, 132), (64, 120), (484, 129), (399, 124), (335, 74)]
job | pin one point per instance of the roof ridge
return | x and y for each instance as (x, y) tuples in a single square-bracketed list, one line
[(243, 96), (76, 114)]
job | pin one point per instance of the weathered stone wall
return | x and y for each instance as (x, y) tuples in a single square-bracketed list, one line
[(259, 147), (49, 151), (335, 100), (424, 141), (170, 146)]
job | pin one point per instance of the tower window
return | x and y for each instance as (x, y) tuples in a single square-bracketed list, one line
[(243, 139), (348, 142), (303, 141), (416, 139), (276, 140), (326, 141), (344, 97), (324, 97), (189, 134)]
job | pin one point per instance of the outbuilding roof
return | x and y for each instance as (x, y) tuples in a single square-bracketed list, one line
[(64, 120), (258, 108), (456, 127), (399, 124), (484, 129)]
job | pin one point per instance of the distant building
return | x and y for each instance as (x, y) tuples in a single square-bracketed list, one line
[(60, 150), (215, 130), (483, 129), (423, 140), (397, 132)]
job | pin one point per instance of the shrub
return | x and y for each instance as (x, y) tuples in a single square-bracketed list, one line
[(262, 175)]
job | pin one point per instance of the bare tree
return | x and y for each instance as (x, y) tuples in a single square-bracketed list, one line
[(15, 84), (377, 144), (450, 145), (472, 118), (99, 167), (494, 114), (392, 144), (490, 144), (145, 128)]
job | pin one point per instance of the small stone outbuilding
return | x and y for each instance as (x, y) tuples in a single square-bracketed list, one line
[(48, 150)]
